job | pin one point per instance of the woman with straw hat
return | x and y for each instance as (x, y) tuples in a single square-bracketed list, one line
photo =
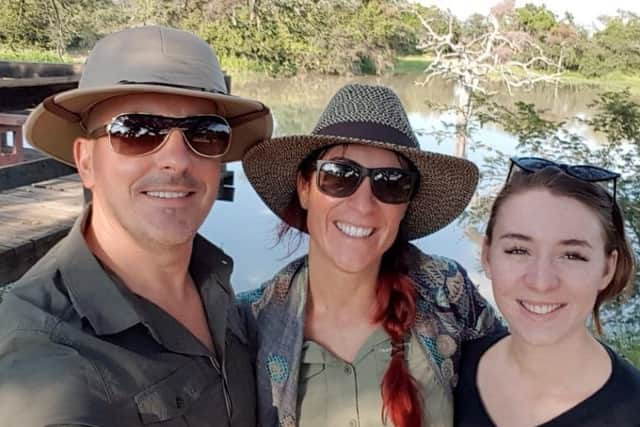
[(366, 328)]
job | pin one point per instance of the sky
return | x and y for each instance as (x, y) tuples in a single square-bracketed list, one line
[(585, 12)]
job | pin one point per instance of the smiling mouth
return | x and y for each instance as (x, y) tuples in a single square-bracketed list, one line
[(353, 230), (540, 309), (168, 194)]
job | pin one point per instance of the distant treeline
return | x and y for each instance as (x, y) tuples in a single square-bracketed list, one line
[(285, 37)]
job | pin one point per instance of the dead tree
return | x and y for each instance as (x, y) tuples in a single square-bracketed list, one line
[(473, 63)]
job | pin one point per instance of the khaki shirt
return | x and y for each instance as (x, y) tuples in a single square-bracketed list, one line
[(77, 348), (332, 392)]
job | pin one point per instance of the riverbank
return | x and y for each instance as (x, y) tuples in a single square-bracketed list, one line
[(403, 65), (416, 64)]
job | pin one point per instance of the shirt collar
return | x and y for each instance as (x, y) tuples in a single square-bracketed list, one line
[(92, 291), (109, 307)]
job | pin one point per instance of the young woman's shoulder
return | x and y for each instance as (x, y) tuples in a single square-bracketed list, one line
[(626, 375), (617, 403)]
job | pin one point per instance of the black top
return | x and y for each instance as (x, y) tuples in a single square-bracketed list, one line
[(616, 404)]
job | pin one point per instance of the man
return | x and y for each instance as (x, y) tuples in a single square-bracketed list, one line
[(129, 320)]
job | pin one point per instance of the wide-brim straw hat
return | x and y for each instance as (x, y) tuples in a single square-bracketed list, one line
[(372, 116), (148, 59)]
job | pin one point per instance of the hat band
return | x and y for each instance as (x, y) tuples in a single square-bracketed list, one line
[(179, 86), (368, 131)]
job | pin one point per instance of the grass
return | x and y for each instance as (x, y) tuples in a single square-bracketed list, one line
[(34, 55), (410, 64), (611, 81)]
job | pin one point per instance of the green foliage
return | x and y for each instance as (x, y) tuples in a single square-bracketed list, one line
[(285, 37), (618, 116), (52, 24), (535, 20), (281, 37), (614, 48)]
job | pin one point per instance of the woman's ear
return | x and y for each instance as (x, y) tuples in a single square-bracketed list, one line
[(303, 187), (610, 269), (486, 265), (83, 155)]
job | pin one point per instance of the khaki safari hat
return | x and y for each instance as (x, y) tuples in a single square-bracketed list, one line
[(373, 116), (148, 59)]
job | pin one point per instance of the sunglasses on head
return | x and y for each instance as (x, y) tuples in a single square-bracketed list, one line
[(341, 178), (586, 173), (139, 134)]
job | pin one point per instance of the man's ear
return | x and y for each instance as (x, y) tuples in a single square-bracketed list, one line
[(303, 187), (83, 155), (484, 258)]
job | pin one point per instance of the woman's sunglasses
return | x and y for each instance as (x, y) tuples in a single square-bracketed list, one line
[(139, 134), (341, 178), (582, 172)]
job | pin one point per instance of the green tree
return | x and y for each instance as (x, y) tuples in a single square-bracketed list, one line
[(535, 20), (615, 47)]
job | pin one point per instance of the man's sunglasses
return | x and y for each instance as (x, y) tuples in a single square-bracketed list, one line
[(139, 134), (341, 178), (582, 172)]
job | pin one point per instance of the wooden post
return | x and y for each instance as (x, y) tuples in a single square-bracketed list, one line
[(11, 129)]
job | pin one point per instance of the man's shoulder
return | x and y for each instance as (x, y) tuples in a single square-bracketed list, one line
[(44, 382), (37, 301)]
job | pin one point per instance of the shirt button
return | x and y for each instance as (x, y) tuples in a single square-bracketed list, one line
[(353, 423), (179, 402), (347, 371)]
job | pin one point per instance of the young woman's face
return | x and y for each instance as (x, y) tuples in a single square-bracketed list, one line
[(351, 233), (547, 264)]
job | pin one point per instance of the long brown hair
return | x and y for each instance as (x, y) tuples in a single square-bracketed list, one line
[(595, 198), (396, 308)]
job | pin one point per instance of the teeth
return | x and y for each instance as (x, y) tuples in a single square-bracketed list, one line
[(353, 231), (167, 194), (540, 308)]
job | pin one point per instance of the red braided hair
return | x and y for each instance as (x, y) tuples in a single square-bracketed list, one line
[(401, 400)]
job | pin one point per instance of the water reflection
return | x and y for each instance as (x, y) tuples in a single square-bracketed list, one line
[(246, 228)]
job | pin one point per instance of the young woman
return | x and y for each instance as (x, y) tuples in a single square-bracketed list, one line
[(365, 328), (555, 250)]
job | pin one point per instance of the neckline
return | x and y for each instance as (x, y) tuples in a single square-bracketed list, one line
[(563, 418)]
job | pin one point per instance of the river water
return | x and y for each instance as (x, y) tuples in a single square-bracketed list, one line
[(245, 228)]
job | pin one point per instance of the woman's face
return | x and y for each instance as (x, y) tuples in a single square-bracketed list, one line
[(352, 233), (547, 264)]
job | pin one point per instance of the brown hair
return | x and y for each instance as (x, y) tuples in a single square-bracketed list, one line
[(595, 198), (396, 308)]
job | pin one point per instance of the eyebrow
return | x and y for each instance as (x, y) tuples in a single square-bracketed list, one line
[(516, 236), (566, 242), (576, 242)]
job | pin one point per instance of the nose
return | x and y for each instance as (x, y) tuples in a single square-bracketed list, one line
[(363, 199), (542, 275), (174, 153)]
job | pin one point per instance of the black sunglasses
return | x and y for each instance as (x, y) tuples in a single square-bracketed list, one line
[(586, 173), (139, 134), (341, 178)]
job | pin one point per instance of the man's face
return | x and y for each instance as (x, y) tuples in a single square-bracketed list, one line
[(158, 199)]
